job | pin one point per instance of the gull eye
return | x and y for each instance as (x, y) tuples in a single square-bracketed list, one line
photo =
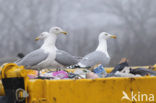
[(56, 29), (106, 34)]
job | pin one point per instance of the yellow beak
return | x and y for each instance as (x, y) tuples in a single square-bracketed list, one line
[(65, 33), (37, 38), (113, 36)]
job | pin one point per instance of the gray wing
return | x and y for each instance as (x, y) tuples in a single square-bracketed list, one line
[(65, 58), (94, 58), (33, 58)]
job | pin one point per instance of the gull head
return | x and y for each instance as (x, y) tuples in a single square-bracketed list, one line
[(57, 30), (106, 36), (42, 36), (53, 32)]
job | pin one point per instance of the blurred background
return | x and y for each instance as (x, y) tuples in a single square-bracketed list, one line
[(133, 21)]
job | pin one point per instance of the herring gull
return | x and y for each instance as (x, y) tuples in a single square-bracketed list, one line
[(46, 54), (64, 58), (100, 55)]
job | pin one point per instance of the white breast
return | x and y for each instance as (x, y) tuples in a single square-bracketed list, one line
[(50, 60)]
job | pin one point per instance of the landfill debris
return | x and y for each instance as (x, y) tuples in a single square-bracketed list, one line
[(71, 75), (143, 71), (126, 73), (81, 73), (32, 74), (60, 74), (123, 63), (91, 75), (98, 71), (123, 70)]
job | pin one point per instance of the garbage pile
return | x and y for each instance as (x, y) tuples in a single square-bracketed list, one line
[(56, 74), (97, 71)]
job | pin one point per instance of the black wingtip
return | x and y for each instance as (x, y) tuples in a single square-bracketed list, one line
[(73, 66)]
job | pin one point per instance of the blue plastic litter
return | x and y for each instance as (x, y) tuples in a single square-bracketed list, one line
[(100, 71)]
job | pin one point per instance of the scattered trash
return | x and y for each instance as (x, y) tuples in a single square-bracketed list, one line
[(100, 71), (60, 74), (143, 71), (123, 63), (121, 74), (91, 75), (71, 75), (97, 71), (81, 73), (32, 74)]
